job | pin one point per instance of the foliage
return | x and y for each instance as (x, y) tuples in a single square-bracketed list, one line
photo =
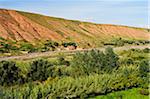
[(66, 44), (91, 73), (126, 94), (51, 44), (95, 61), (111, 59), (40, 70), (9, 73), (144, 92), (81, 87), (7, 48), (62, 61), (129, 61), (26, 47), (146, 50), (122, 42), (144, 68)]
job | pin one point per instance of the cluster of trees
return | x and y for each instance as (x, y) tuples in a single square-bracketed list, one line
[(6, 48), (28, 47), (10, 74), (144, 68), (62, 61), (66, 44), (96, 61), (39, 70), (79, 87), (47, 46)]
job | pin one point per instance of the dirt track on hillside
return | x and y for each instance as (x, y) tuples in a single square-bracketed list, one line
[(56, 53)]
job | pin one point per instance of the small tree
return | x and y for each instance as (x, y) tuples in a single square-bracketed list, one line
[(111, 59), (144, 68), (40, 70), (62, 61), (129, 61), (146, 50), (9, 73)]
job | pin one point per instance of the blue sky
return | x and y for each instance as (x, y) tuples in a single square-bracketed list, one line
[(122, 12)]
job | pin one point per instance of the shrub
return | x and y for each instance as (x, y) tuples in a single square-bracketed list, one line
[(2, 50), (26, 47), (95, 61), (40, 70), (111, 59), (9, 73), (62, 61), (146, 50), (87, 62), (6, 48), (144, 92), (66, 44), (56, 44), (129, 61), (144, 68), (51, 44)]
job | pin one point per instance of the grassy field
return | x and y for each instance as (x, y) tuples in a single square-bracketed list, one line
[(128, 94)]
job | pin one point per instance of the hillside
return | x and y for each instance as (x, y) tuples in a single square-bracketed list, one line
[(23, 26)]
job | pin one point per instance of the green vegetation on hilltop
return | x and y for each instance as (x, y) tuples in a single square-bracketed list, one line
[(9, 48), (16, 48)]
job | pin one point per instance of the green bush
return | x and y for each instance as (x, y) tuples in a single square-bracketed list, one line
[(10, 73), (146, 50), (27, 47), (51, 45), (144, 92), (2, 50), (40, 70), (129, 61), (95, 61), (111, 59), (144, 68), (66, 44), (7, 48), (62, 61)]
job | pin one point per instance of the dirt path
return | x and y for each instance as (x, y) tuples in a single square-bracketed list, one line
[(56, 53)]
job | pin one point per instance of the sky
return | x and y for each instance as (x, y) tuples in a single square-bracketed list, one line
[(120, 12)]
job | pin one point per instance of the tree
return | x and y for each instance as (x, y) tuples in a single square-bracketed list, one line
[(40, 70), (62, 61), (129, 61), (144, 68), (95, 61), (65, 44), (9, 73), (146, 50), (27, 47), (111, 59)]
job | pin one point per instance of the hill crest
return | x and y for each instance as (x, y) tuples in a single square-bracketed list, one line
[(23, 26)]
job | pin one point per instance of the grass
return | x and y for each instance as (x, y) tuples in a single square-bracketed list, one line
[(136, 55), (128, 94)]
